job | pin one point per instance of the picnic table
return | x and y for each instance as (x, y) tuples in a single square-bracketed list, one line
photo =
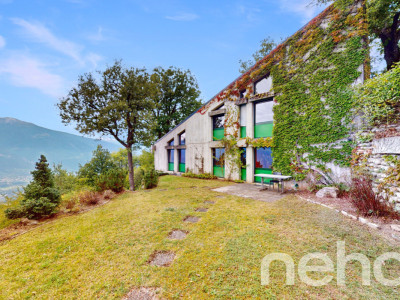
[(280, 178)]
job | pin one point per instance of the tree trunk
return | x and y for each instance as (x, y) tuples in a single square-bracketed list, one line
[(131, 169), (391, 50)]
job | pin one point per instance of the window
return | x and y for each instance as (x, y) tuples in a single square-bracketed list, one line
[(182, 156), (219, 157), (264, 112), (171, 156), (263, 158), (171, 143), (263, 86), (243, 94), (218, 121), (182, 138), (243, 116), (243, 157)]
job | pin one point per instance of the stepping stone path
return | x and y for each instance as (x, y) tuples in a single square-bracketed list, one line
[(191, 219), (143, 293), (202, 209), (209, 202), (161, 258), (177, 234)]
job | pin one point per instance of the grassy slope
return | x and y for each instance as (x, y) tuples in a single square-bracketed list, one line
[(103, 253)]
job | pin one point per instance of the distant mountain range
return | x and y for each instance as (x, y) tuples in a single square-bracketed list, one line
[(22, 143)]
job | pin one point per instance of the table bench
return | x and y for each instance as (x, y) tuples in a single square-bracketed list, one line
[(280, 178)]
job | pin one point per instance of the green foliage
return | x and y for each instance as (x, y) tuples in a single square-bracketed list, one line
[(139, 174), (379, 98), (100, 164), (113, 179), (266, 46), (65, 181), (41, 198), (146, 160), (175, 99), (150, 179), (118, 105)]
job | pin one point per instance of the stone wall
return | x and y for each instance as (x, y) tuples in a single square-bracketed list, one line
[(377, 145)]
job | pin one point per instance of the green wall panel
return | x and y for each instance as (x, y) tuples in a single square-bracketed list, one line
[(170, 166), (263, 130), (218, 134), (262, 171), (243, 175), (219, 171), (243, 131), (182, 168)]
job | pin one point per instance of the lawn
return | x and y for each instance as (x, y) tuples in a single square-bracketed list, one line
[(103, 253)]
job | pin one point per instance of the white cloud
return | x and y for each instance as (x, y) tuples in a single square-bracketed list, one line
[(94, 59), (25, 71), (2, 42), (41, 34), (300, 7), (183, 17)]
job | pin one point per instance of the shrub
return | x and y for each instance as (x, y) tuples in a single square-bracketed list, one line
[(70, 203), (15, 212), (367, 201), (139, 174), (108, 194), (88, 198), (113, 179), (150, 179)]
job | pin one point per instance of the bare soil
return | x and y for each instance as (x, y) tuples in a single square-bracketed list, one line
[(202, 209), (143, 293), (191, 219), (178, 234), (161, 258)]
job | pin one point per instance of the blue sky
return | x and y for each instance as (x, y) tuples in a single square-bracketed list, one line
[(45, 45)]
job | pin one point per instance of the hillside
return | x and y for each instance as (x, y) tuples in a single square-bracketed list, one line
[(21, 144)]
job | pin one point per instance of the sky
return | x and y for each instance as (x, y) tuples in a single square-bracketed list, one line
[(46, 44)]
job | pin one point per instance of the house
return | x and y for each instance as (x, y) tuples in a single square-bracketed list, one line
[(288, 113)]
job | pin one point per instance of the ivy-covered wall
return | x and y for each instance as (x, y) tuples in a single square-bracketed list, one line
[(311, 72)]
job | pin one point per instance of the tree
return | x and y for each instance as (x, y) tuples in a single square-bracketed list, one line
[(41, 198), (383, 24), (266, 46), (176, 98), (117, 105), (100, 163)]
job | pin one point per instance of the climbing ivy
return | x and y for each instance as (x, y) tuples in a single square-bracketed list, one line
[(311, 73)]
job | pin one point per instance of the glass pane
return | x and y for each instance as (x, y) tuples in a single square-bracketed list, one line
[(263, 158), (263, 112), (219, 156), (219, 121), (243, 157), (243, 112), (182, 156), (171, 156), (171, 143), (263, 86), (182, 139)]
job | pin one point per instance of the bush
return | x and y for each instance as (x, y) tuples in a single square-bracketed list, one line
[(367, 201), (200, 176), (150, 179), (139, 174), (108, 194), (88, 198), (15, 212), (113, 179)]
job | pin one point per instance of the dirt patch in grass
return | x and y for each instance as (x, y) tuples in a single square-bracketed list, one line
[(178, 234), (202, 209), (209, 202), (220, 197), (161, 258), (143, 293), (191, 219)]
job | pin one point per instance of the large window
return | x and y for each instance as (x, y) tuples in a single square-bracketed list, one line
[(219, 162), (243, 171), (263, 118), (243, 120), (182, 160), (182, 138), (218, 127), (263, 162), (171, 156), (263, 86)]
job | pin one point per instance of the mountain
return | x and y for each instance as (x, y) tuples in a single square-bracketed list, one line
[(22, 143)]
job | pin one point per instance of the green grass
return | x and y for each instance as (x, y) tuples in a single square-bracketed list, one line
[(104, 253)]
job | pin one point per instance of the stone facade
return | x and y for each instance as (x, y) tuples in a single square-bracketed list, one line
[(379, 143)]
